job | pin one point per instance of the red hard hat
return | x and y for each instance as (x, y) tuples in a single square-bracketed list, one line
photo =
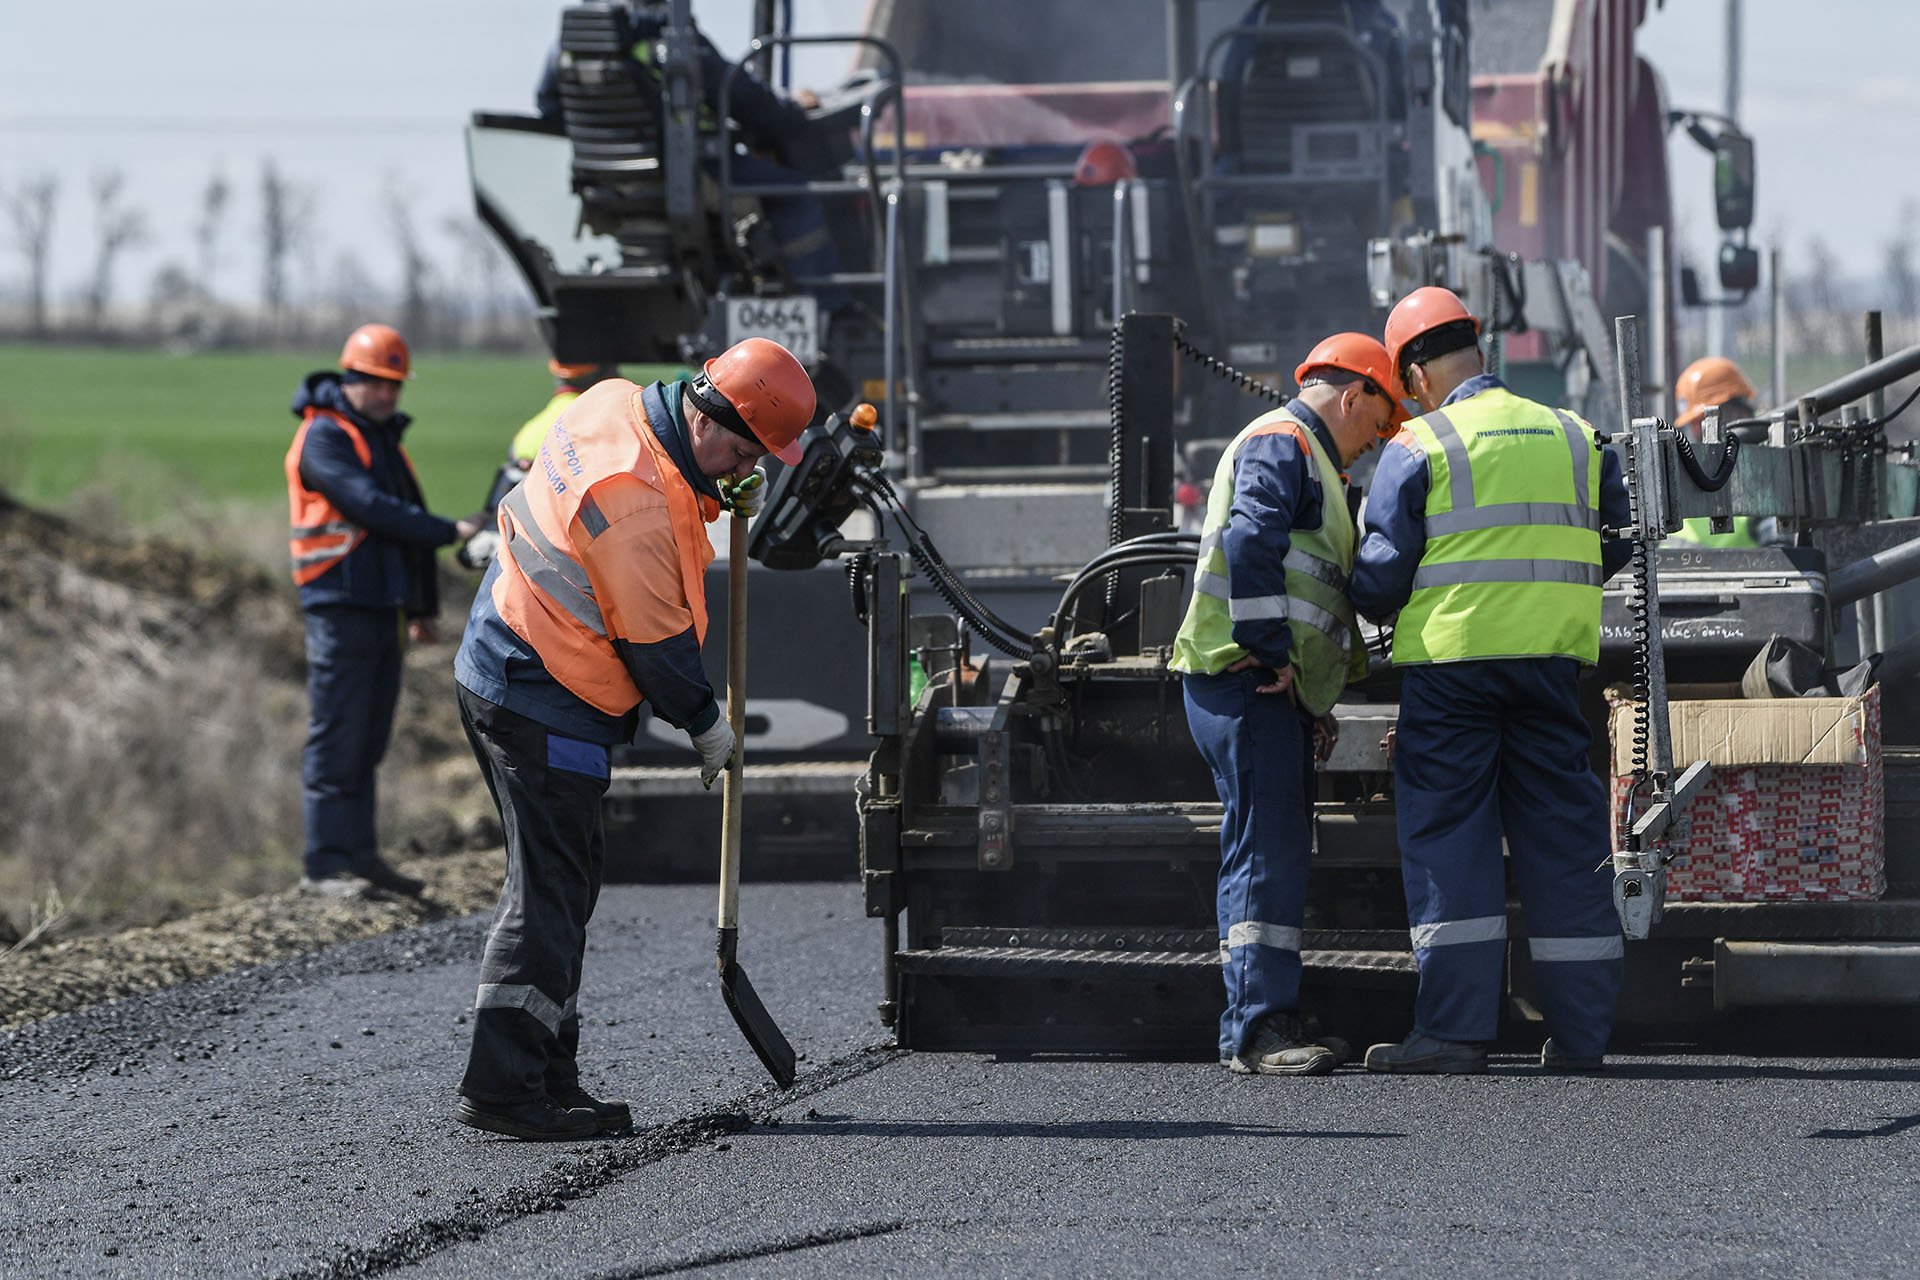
[(1104, 163), (1710, 381), (1356, 353), (770, 391), (379, 352), (1417, 314)]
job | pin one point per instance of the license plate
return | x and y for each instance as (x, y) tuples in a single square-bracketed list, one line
[(793, 322)]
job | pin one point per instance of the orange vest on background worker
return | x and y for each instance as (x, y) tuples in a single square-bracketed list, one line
[(605, 540), (320, 536)]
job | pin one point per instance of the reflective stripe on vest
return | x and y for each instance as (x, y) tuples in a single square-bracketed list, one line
[(1511, 566), (552, 570), (545, 592), (319, 536), (1326, 652)]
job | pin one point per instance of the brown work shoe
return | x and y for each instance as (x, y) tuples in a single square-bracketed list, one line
[(1281, 1048)]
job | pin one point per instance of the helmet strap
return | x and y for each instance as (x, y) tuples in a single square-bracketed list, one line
[(708, 400)]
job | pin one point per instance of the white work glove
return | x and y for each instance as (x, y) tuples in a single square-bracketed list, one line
[(716, 745), (746, 496), (478, 551)]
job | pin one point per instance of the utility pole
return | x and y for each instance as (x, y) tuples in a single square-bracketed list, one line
[(1718, 340)]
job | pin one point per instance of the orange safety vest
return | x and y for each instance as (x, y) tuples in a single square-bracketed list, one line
[(321, 536), (581, 562)]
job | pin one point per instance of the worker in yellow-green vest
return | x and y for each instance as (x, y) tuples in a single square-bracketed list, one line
[(569, 380), (1714, 382), (1268, 642), (1483, 533)]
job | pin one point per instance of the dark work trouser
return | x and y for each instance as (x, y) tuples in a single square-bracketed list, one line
[(1260, 749), (1491, 749), (548, 788), (353, 682)]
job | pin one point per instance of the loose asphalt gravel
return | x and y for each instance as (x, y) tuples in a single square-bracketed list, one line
[(296, 1119)]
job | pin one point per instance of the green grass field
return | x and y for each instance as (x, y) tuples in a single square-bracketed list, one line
[(155, 431)]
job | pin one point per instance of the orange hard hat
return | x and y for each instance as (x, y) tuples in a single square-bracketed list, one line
[(769, 392), (581, 372), (1104, 163), (1710, 381), (1426, 310), (1356, 353), (377, 351)]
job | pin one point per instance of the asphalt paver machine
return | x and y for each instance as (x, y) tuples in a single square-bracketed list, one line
[(1039, 836)]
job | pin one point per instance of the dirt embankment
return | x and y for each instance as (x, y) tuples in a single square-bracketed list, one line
[(152, 711)]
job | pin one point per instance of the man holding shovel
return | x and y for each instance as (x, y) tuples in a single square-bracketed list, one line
[(596, 604)]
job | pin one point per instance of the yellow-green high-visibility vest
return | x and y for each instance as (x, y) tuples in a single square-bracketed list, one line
[(1326, 651), (1698, 530), (526, 441), (1512, 562)]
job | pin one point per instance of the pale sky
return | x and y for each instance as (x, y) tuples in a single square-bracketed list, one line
[(354, 98)]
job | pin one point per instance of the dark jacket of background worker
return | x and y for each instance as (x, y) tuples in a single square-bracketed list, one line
[(1483, 532), (1268, 642), (594, 606), (362, 543)]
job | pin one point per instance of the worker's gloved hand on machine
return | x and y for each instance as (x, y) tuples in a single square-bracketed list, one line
[(716, 745), (745, 497)]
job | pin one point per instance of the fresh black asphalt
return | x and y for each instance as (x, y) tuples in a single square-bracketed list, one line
[(296, 1120)]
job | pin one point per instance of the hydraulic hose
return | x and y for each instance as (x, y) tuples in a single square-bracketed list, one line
[(1695, 468)]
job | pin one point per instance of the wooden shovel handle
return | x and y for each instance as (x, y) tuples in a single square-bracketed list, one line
[(732, 795)]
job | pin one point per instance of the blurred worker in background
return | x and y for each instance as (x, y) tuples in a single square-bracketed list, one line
[(569, 380), (1709, 382), (1268, 642), (595, 605), (363, 543), (1483, 532)]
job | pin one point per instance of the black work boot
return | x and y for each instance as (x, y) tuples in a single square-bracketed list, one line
[(613, 1113), (1422, 1054), (540, 1120), (1551, 1059), (383, 876), (1281, 1048)]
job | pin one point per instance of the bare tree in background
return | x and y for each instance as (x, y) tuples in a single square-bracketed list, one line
[(480, 264), (1902, 270), (30, 209), (352, 293), (206, 232), (116, 229), (1813, 304), (286, 219), (416, 273)]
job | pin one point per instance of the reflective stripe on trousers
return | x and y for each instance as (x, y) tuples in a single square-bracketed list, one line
[(1490, 749), (1259, 749), (526, 1025)]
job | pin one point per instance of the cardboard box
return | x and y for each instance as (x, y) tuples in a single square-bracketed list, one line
[(1795, 810)]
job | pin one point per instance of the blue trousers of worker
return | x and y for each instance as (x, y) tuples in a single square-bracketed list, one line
[(1260, 749), (1499, 748), (353, 682)]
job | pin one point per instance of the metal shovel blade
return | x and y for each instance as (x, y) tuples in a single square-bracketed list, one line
[(755, 1023)]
